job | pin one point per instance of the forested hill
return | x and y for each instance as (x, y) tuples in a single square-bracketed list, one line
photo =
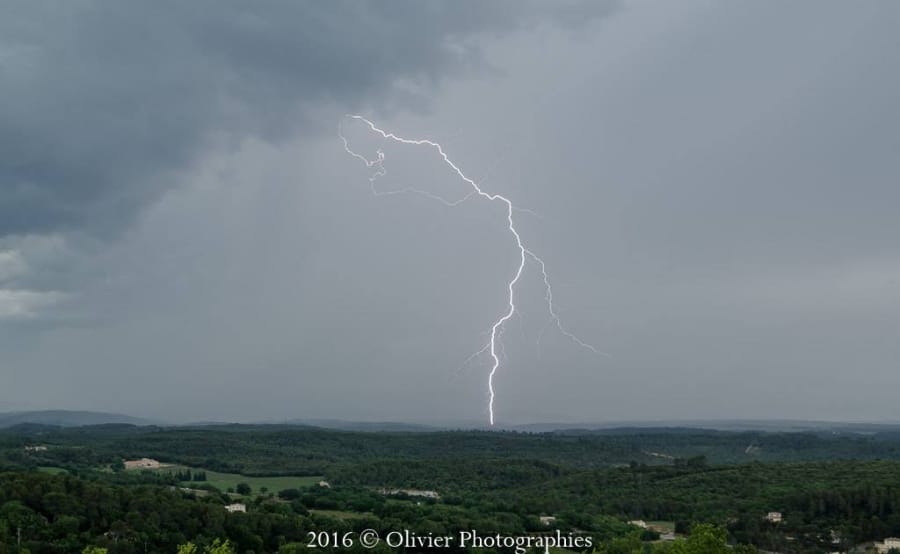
[(307, 450), (66, 418), (62, 489)]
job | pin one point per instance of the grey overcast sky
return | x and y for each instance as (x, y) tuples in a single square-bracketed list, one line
[(715, 188)]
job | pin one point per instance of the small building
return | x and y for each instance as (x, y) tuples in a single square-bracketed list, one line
[(774, 517), (143, 463), (547, 520), (424, 494), (324, 484), (890, 543), (835, 536), (638, 523), (670, 536), (236, 507), (35, 448), (411, 492)]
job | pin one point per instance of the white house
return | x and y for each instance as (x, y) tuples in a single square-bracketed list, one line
[(548, 520), (888, 544), (638, 523), (774, 517), (411, 492), (236, 507), (143, 463)]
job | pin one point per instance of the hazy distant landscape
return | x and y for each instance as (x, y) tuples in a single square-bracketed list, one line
[(77, 418)]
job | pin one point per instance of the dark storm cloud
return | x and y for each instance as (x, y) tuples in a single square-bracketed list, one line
[(715, 184), (102, 102)]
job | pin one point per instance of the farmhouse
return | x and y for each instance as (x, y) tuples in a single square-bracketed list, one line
[(890, 543), (410, 492), (548, 520), (35, 448), (638, 523), (236, 507), (143, 463), (774, 517)]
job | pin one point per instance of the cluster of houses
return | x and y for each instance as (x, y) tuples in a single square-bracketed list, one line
[(887, 545)]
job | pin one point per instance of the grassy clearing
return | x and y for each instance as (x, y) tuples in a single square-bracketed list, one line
[(662, 526), (225, 481)]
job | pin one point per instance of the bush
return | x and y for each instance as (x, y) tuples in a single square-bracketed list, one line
[(289, 494)]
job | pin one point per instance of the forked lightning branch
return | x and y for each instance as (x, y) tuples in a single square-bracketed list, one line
[(524, 253)]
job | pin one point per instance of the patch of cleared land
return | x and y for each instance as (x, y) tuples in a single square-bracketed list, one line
[(661, 526), (225, 481)]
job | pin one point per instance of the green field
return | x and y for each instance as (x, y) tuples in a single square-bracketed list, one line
[(225, 481)]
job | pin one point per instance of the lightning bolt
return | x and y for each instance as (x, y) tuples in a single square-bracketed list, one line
[(493, 346)]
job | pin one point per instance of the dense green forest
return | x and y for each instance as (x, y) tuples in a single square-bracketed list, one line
[(63, 490), (273, 449)]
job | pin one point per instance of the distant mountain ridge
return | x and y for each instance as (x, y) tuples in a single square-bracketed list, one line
[(67, 418), (366, 426), (81, 418), (733, 425)]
